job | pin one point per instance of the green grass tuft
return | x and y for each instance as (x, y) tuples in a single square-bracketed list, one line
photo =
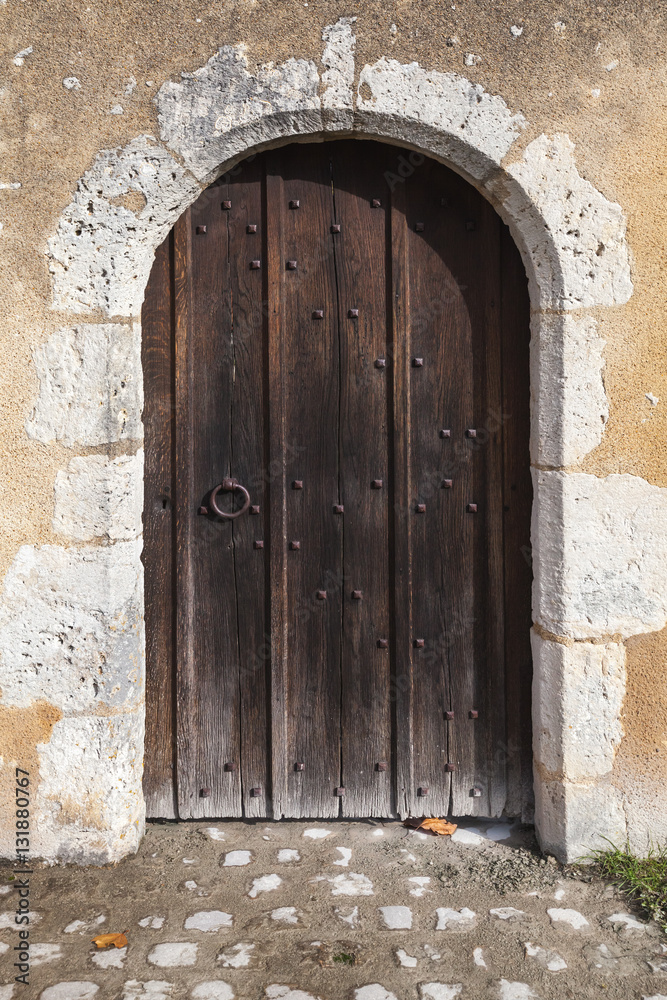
[(344, 958), (642, 879)]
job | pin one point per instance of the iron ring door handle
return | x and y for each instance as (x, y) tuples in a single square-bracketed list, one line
[(229, 486)]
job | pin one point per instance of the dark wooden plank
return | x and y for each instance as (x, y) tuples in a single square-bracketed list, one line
[(211, 630), (158, 417), (311, 386), (248, 464), (517, 503), (360, 254), (401, 484), (277, 548)]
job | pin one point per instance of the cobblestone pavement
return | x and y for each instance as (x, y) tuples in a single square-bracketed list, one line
[(357, 911)]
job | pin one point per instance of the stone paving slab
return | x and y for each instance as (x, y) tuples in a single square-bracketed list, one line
[(316, 911)]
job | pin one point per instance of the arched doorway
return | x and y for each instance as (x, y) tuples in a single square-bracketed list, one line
[(342, 329)]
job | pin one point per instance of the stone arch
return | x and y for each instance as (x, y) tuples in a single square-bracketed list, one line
[(572, 240)]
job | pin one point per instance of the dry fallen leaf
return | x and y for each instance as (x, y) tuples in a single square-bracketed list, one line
[(106, 940), (438, 827)]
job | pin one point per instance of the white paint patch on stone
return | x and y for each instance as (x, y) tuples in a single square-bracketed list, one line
[(112, 958), (90, 385), (190, 861), (40, 953), (507, 913), (103, 251), (396, 918), (3, 947), (236, 859), (350, 917), (569, 404), (287, 855), (265, 883), (374, 991), (81, 926), (454, 118), (627, 921), (478, 958), (190, 885), (515, 991), (7, 991), (440, 991), (214, 833), (471, 836), (21, 56), (338, 60), (221, 109), (405, 960), (278, 992), (173, 954), (455, 920), (153, 989), (7, 922), (216, 990), (316, 833), (432, 953), (348, 885), (75, 990), (154, 923), (238, 956), (344, 860), (98, 497), (72, 83), (420, 883), (559, 894), (574, 236), (550, 960), (498, 832), (208, 920), (70, 628), (573, 918), (285, 915)]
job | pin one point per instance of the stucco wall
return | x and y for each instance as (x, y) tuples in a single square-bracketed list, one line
[(557, 113)]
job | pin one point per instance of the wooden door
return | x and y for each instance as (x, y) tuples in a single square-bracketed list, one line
[(336, 334)]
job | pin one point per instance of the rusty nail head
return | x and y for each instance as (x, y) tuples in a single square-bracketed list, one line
[(447, 484), (226, 205), (357, 595), (294, 203), (422, 791), (340, 791), (205, 793), (353, 313), (445, 433), (318, 314), (255, 265), (376, 484), (449, 766), (251, 229), (419, 643), (476, 793), (255, 792), (471, 225), (381, 765), (449, 716), (259, 544), (376, 203), (335, 228), (338, 508), (203, 510), (417, 362), (380, 363), (230, 766), (299, 766), (201, 230), (473, 714), (471, 508), (419, 227), (297, 484), (321, 595), (471, 433), (295, 545), (254, 509), (421, 508), (383, 643), (291, 265)]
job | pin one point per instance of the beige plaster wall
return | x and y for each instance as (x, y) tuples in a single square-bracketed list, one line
[(597, 72)]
